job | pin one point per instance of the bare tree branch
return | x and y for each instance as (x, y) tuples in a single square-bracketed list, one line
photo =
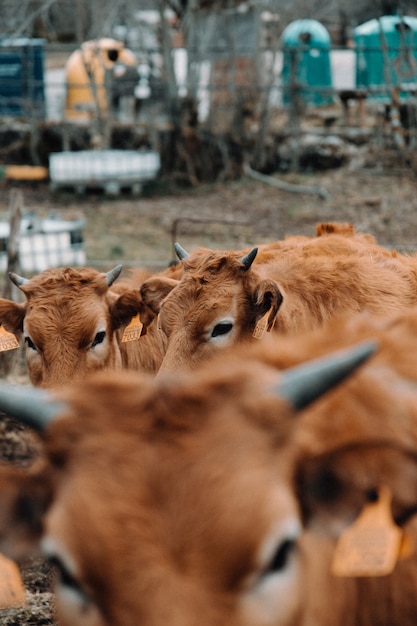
[(31, 18)]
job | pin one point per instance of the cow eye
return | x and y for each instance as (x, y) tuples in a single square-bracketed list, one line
[(66, 581), (64, 576), (99, 338), (223, 328), (29, 343), (280, 558)]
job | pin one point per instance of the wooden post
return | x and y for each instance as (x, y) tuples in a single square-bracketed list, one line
[(10, 291), (296, 109), (9, 360), (393, 91)]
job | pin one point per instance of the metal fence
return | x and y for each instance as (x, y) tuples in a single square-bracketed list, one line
[(34, 87), (240, 97)]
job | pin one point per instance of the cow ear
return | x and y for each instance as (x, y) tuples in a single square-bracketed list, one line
[(154, 290), (334, 487), (12, 315), (267, 297), (25, 497), (125, 307)]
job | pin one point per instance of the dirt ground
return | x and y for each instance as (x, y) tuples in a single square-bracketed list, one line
[(139, 231)]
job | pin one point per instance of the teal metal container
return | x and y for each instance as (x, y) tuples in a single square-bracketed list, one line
[(386, 54), (306, 71)]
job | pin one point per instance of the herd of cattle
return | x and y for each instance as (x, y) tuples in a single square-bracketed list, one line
[(232, 441)]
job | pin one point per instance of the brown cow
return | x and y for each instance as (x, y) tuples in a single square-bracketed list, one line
[(72, 322), (181, 509), (223, 297), (332, 238), (189, 507)]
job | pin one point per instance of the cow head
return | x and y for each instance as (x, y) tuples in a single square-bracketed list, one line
[(181, 509), (219, 301), (68, 322)]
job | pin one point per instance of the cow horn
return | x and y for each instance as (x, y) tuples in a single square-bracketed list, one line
[(113, 274), (180, 252), (17, 280), (303, 384), (249, 258), (31, 406)]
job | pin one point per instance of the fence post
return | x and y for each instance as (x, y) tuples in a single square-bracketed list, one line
[(9, 359), (13, 259)]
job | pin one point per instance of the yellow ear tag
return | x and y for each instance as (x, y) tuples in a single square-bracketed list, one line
[(133, 329), (7, 340), (406, 547), (12, 590), (261, 327), (372, 545)]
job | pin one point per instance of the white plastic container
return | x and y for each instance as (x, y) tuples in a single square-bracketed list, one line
[(109, 169), (45, 243)]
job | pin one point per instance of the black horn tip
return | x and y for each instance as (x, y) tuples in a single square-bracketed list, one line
[(304, 383), (29, 405), (180, 252), (249, 258), (17, 280), (113, 274)]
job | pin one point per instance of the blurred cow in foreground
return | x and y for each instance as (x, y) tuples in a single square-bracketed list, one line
[(217, 497), (72, 322), (225, 297)]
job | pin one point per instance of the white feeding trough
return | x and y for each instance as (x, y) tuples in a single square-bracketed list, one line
[(44, 243), (107, 169)]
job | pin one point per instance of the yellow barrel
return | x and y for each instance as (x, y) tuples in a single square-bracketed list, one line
[(85, 70)]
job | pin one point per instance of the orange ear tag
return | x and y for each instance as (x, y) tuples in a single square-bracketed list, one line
[(261, 327), (133, 329), (7, 340), (12, 590), (372, 545)]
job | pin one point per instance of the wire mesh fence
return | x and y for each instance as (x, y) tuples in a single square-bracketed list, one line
[(67, 99)]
